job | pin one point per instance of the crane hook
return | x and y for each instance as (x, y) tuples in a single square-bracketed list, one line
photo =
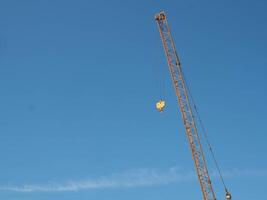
[(160, 105), (228, 196)]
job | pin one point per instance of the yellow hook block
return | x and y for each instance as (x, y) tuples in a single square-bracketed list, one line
[(160, 105)]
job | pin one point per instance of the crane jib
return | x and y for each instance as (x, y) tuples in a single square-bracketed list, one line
[(185, 107)]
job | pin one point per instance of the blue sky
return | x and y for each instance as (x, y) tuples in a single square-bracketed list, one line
[(79, 82)]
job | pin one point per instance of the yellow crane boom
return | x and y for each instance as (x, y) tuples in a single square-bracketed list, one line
[(185, 107)]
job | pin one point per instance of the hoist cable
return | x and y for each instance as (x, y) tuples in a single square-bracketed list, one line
[(204, 132)]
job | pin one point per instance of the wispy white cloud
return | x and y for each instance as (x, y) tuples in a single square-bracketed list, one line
[(127, 179), (130, 178)]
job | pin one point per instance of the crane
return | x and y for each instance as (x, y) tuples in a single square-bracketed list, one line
[(181, 92)]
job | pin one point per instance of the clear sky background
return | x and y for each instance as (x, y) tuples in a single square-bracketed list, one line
[(78, 87)]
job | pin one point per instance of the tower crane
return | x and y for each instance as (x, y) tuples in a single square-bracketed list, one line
[(181, 91)]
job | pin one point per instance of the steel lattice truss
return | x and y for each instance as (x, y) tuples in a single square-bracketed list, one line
[(185, 108)]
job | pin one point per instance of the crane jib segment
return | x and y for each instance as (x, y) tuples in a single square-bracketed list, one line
[(185, 107)]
